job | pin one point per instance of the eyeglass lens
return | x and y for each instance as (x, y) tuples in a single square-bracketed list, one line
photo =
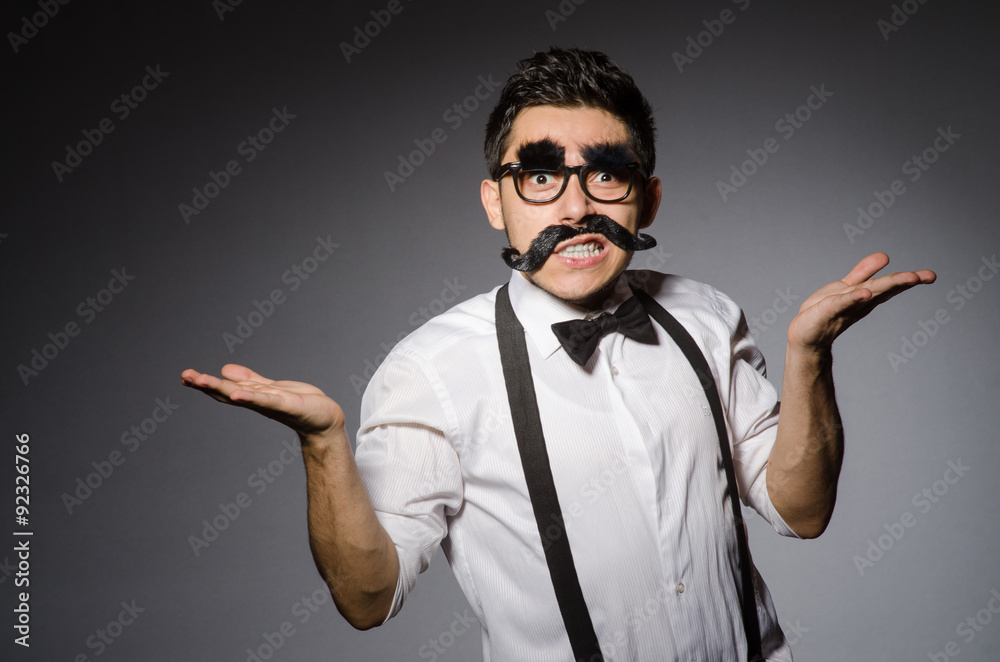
[(545, 185)]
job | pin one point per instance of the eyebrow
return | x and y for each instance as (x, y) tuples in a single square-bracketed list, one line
[(608, 156), (542, 154)]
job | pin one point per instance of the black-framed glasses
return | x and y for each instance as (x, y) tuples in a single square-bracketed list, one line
[(545, 185)]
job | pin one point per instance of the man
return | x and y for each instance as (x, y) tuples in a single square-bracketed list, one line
[(628, 428)]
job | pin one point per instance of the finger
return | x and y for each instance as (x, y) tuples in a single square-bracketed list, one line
[(189, 375), (882, 297), (857, 303), (866, 268), (902, 279), (195, 379), (238, 373), (207, 383)]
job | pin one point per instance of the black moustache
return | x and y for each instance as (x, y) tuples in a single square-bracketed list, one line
[(547, 240)]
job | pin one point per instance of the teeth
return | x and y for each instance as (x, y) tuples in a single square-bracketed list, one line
[(590, 249)]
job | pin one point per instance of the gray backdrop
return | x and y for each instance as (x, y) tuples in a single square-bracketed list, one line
[(113, 289)]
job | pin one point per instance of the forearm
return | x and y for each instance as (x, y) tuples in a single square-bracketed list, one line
[(353, 552), (804, 464)]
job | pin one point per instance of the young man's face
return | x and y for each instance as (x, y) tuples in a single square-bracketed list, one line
[(583, 277)]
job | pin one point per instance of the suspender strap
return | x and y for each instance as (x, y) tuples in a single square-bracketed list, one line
[(697, 360), (541, 488)]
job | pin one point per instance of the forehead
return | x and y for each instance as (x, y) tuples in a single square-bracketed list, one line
[(571, 128)]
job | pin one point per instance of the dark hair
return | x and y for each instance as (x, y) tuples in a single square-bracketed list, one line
[(572, 78)]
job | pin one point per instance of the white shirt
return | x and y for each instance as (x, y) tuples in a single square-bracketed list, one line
[(635, 461)]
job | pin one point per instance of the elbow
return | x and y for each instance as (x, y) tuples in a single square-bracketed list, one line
[(809, 524), (366, 611), (810, 529), (806, 512), (362, 624), (362, 619)]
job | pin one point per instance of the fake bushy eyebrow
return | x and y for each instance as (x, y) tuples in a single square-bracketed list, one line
[(608, 156), (541, 154)]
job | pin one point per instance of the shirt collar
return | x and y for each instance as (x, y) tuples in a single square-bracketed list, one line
[(537, 310)]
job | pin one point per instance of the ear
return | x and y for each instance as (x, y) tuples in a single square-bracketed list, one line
[(650, 202), (489, 191)]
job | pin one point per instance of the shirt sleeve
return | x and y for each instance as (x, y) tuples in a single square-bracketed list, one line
[(753, 416), (411, 472)]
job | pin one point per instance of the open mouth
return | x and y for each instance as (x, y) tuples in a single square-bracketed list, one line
[(580, 247)]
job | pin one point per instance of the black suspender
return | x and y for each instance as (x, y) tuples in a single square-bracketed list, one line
[(541, 489)]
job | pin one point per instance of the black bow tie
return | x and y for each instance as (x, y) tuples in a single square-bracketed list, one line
[(580, 337)]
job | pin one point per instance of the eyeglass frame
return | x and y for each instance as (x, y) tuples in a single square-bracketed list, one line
[(568, 171)]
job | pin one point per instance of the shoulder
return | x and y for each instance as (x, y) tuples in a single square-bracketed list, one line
[(417, 380), (689, 298), (711, 317)]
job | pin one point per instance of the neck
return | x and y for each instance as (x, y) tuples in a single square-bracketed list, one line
[(600, 299)]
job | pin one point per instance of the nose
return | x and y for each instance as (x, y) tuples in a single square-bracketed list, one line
[(574, 203)]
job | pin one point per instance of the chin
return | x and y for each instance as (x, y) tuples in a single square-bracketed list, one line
[(587, 295)]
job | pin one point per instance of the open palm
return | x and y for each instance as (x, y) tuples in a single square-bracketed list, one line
[(830, 310), (302, 407)]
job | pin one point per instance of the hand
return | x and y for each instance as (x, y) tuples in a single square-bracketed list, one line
[(302, 407), (830, 310)]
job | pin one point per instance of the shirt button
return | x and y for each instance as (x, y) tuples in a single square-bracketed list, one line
[(614, 370), (680, 587)]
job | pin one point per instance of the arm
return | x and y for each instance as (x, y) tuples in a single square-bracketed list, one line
[(804, 463), (353, 553)]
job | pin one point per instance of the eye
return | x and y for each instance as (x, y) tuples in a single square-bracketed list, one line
[(606, 178), (539, 180)]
